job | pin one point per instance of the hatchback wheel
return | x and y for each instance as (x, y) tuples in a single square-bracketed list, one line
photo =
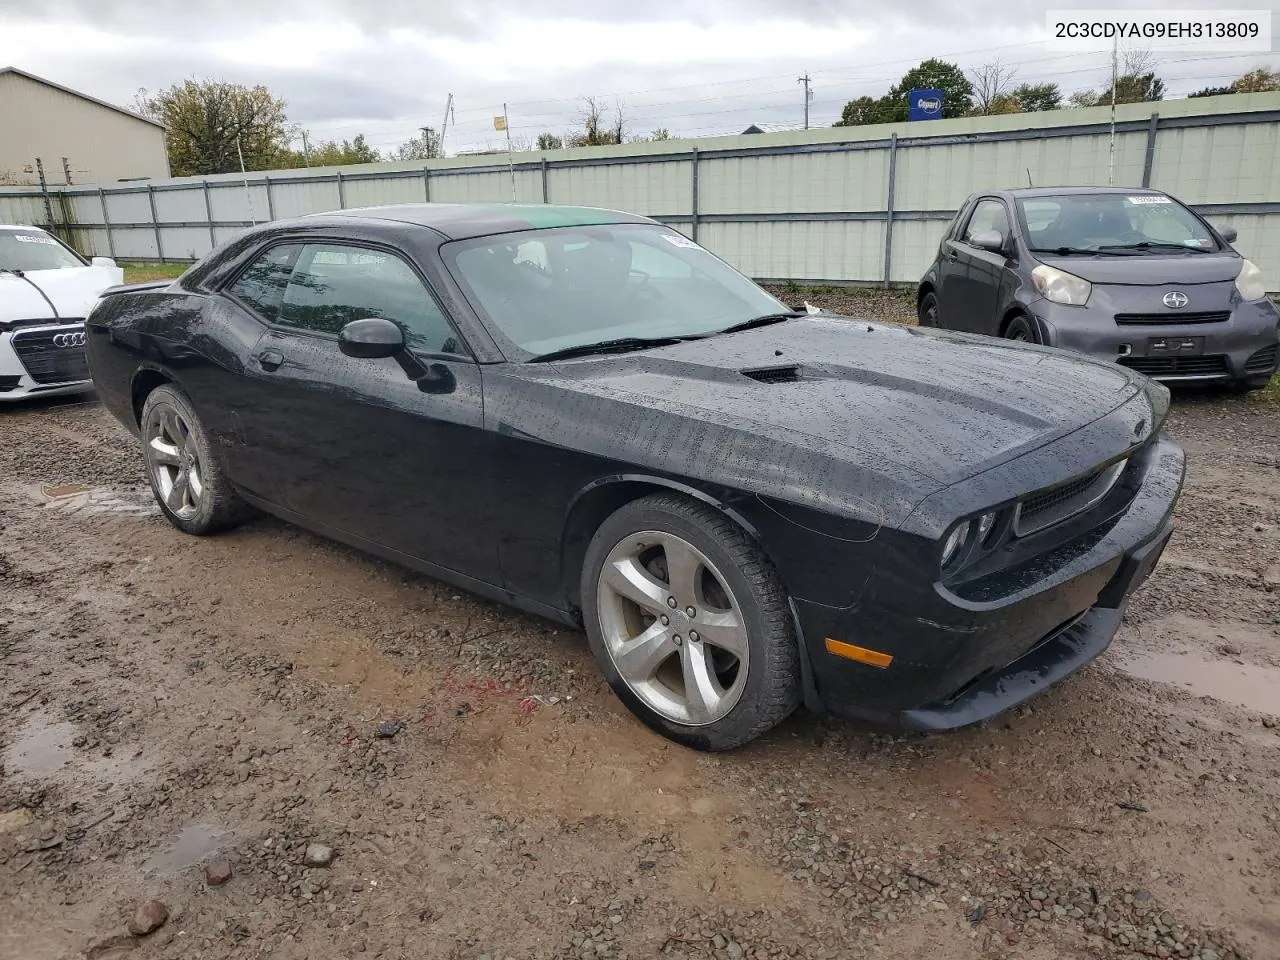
[(186, 478), (927, 310), (689, 623), (1020, 329)]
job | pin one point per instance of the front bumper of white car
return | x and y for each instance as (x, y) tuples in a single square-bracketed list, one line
[(44, 360)]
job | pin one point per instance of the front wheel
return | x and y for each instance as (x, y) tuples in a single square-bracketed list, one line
[(186, 478), (689, 623), (1020, 329)]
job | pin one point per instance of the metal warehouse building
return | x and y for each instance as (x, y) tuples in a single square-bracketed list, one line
[(75, 137)]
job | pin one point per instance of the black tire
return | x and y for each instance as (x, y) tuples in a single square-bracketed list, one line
[(218, 507), (771, 690), (927, 310), (1020, 328)]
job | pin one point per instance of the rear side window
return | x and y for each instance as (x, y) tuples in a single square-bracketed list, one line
[(261, 287), (988, 215)]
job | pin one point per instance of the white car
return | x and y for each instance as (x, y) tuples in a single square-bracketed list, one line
[(46, 291)]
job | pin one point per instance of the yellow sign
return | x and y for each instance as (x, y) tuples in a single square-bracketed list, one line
[(499, 123)]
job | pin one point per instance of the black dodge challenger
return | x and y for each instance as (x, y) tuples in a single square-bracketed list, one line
[(586, 415)]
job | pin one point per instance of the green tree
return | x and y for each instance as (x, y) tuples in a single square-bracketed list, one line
[(957, 95), (425, 147), (211, 123), (1033, 97), (1213, 91), (1260, 80), (549, 141)]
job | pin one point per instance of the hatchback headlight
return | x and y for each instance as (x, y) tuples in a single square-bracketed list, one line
[(1061, 287), (1249, 282)]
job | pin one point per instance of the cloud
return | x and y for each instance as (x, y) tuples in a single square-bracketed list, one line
[(385, 69)]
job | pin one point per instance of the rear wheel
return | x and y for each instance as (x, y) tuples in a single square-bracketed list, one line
[(1019, 328), (927, 310), (185, 477), (689, 623)]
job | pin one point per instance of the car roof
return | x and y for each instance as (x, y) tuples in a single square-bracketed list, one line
[(22, 226), (461, 221), (1022, 193)]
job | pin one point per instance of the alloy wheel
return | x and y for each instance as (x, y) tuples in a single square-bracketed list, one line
[(174, 459), (673, 628)]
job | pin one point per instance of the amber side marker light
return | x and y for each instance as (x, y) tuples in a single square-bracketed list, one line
[(861, 654)]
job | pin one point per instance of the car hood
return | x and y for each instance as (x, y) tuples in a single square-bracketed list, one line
[(941, 405), (1185, 269), (72, 291)]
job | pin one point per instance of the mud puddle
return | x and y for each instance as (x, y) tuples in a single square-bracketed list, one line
[(1244, 684), (192, 845), (41, 747)]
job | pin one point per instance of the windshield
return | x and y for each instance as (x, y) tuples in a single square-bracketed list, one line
[(34, 250), (1102, 221), (551, 290)]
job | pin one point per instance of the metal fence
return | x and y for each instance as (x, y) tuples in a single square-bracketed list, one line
[(856, 204)]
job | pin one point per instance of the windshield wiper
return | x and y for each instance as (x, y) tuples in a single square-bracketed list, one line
[(620, 345), (1079, 251), (766, 320), (1156, 245)]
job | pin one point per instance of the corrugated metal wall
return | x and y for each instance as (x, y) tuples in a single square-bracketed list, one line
[(101, 143), (858, 204)]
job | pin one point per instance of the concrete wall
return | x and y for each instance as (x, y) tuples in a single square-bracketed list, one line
[(102, 144), (854, 204)]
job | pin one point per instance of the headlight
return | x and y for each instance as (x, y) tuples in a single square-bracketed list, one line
[(1249, 282), (1060, 286), (954, 542), (986, 523)]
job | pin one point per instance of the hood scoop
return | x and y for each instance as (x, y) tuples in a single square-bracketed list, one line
[(789, 373)]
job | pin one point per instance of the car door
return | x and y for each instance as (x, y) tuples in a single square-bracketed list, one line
[(355, 447), (970, 292)]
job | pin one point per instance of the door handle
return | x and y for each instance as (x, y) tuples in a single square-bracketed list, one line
[(270, 360)]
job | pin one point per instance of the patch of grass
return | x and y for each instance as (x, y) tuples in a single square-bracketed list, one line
[(143, 272), (1268, 395)]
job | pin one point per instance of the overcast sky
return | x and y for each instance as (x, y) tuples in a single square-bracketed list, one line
[(385, 68)]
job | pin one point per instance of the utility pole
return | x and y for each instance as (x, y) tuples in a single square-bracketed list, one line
[(808, 97), (306, 149), (248, 194), (1115, 79), (444, 126), (66, 171)]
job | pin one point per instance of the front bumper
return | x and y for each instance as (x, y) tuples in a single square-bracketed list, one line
[(959, 661), (1242, 348), (32, 364)]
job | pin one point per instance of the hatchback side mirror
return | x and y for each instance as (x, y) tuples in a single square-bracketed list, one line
[(1228, 234), (371, 339), (989, 240), (102, 262)]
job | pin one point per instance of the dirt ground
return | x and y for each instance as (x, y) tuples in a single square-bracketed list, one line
[(171, 705)]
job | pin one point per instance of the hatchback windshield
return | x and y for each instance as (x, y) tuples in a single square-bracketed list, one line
[(1112, 222), (34, 250), (551, 290)]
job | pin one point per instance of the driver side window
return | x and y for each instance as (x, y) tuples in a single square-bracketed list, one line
[(988, 215)]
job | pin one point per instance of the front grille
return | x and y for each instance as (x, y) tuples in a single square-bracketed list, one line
[(1142, 319), (9, 383), (48, 362), (1215, 366), (1263, 361), (1048, 507)]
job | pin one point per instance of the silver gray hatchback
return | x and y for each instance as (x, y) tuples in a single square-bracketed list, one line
[(1132, 276)]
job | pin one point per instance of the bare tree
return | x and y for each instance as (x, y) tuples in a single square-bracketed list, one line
[(992, 84), (597, 127)]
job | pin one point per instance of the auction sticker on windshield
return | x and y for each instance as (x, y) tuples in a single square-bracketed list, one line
[(676, 240), (1149, 199), (27, 238)]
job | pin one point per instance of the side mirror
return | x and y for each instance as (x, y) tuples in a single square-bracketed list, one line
[(371, 339), (102, 262), (989, 240), (1228, 234)]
